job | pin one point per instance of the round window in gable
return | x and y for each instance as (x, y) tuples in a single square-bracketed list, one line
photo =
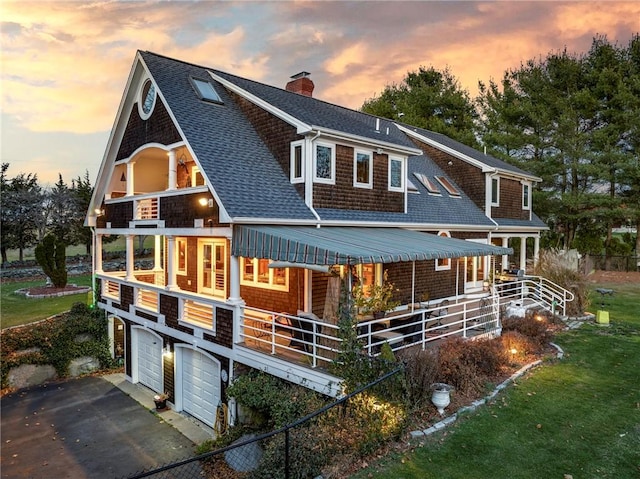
[(147, 99)]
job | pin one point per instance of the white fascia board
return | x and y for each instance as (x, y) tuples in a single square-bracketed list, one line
[(408, 226), (301, 127), (391, 147), (246, 220), (485, 168), (221, 231), (115, 136), (522, 229)]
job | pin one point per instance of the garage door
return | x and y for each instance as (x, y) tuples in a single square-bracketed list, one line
[(200, 385), (149, 360)]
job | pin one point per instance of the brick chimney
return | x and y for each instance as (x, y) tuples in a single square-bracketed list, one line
[(301, 84)]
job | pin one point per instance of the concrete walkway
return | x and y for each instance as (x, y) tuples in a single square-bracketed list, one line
[(189, 426)]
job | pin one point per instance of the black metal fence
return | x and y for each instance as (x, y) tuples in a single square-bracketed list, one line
[(295, 451), (612, 263)]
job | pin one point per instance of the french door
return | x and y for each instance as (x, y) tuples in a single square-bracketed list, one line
[(212, 267)]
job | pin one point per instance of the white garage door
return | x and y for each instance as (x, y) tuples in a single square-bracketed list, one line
[(200, 385), (149, 360)]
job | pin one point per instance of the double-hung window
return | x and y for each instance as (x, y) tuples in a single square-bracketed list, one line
[(495, 191), (396, 174), (297, 162), (362, 169), (526, 196), (324, 161)]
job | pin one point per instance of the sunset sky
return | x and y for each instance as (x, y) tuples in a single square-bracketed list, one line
[(65, 64)]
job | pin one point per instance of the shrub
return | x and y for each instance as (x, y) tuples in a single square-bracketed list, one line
[(278, 401), (518, 346), (536, 330), (421, 371), (51, 256), (457, 369)]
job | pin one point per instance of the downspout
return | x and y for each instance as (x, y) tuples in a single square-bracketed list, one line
[(93, 267), (308, 181)]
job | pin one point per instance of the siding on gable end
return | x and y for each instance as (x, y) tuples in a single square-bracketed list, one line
[(158, 128), (510, 201)]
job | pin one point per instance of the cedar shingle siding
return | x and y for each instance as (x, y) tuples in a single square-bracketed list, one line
[(158, 128)]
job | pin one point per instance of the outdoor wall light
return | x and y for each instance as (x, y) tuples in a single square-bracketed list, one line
[(167, 351), (99, 211), (206, 202)]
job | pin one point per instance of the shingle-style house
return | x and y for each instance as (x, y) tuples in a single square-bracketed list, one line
[(263, 202)]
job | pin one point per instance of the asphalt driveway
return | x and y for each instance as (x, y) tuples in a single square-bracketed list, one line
[(83, 428)]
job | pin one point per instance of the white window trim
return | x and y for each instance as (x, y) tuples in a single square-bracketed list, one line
[(294, 144), (445, 263), (356, 183), (143, 115), (497, 200), (332, 179), (526, 194), (402, 173), (255, 283), (186, 256)]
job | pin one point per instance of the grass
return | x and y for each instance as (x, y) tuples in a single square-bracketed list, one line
[(117, 245), (579, 416), (16, 309)]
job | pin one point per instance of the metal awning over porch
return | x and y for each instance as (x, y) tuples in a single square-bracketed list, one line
[(350, 245)]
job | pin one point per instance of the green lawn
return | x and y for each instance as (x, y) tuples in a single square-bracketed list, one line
[(16, 309), (579, 416)]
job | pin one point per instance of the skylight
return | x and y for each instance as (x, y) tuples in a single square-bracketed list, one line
[(411, 188), (206, 91), (452, 190), (428, 184)]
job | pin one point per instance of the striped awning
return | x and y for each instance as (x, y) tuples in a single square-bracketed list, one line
[(350, 245)]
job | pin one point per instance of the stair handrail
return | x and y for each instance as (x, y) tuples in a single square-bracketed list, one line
[(559, 294)]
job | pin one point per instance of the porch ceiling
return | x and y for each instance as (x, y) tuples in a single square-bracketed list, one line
[(350, 245)]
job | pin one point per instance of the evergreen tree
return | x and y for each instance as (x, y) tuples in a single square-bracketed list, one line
[(430, 99)]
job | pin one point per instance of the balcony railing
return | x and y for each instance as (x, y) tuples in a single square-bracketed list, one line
[(111, 289), (199, 313), (147, 208), (147, 299)]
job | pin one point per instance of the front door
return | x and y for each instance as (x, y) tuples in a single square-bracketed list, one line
[(475, 267), (212, 267)]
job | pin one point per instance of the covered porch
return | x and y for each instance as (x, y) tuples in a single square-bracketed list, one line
[(312, 339)]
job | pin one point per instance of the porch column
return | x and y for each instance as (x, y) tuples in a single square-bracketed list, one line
[(505, 257), (234, 280), (523, 253), (130, 257), (157, 257), (130, 189), (171, 264), (536, 249), (173, 171), (97, 253)]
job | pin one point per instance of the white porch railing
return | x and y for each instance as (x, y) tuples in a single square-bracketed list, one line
[(147, 208), (280, 333), (536, 290), (147, 299), (199, 314)]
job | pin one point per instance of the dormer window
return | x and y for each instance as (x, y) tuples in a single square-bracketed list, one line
[(297, 162), (324, 162), (452, 190), (396, 174), (205, 90), (431, 186), (362, 169)]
